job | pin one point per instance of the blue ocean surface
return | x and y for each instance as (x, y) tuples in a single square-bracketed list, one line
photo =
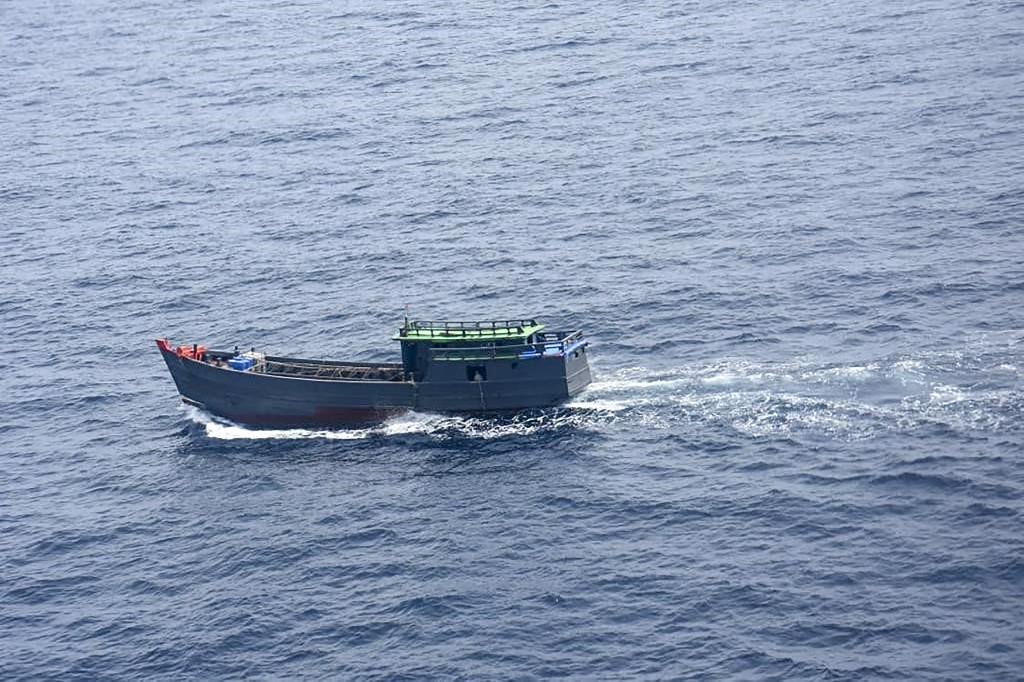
[(793, 232)]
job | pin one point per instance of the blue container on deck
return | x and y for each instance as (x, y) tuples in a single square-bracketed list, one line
[(241, 364)]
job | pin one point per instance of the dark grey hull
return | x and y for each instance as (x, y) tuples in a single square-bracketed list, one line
[(260, 399)]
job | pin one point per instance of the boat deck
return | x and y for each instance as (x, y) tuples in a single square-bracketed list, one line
[(329, 369)]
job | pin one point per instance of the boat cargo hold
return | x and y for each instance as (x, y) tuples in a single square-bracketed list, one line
[(448, 367)]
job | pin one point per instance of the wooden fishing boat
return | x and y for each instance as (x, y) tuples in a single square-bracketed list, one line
[(476, 367)]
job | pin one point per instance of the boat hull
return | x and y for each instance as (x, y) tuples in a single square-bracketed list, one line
[(268, 400)]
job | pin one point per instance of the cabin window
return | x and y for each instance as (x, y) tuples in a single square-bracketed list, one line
[(476, 373)]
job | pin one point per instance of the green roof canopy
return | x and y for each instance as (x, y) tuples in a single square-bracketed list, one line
[(450, 332)]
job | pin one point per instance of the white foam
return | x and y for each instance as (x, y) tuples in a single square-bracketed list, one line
[(944, 394), (857, 373), (225, 430), (723, 379), (908, 365), (599, 405), (624, 384), (436, 426), (236, 432)]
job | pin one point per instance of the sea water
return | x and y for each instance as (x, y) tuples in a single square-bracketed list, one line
[(791, 231)]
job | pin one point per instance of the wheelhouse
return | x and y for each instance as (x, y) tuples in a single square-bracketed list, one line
[(425, 342)]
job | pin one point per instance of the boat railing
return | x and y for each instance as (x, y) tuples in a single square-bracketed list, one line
[(548, 344)]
